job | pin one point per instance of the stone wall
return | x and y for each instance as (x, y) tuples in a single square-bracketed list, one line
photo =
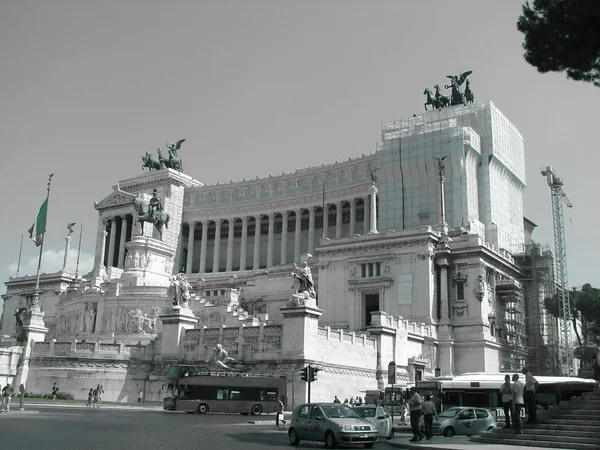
[(9, 360)]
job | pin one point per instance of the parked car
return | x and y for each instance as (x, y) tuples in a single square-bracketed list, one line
[(332, 423), (378, 417), (463, 420)]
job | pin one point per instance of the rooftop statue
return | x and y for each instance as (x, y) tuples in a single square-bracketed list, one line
[(438, 100), (19, 316), (159, 162), (152, 212), (151, 162), (174, 147)]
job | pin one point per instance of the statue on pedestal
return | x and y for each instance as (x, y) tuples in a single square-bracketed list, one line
[(152, 212), (179, 290), (303, 284)]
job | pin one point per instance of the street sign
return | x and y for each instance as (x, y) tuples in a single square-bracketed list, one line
[(392, 373)]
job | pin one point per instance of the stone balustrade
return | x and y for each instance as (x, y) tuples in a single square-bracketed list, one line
[(93, 350)]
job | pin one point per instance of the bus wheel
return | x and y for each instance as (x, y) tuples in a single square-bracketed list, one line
[(449, 432), (256, 410), (202, 408), (293, 437)]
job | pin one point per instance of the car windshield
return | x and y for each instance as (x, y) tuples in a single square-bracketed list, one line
[(338, 411), (366, 412), (450, 412)]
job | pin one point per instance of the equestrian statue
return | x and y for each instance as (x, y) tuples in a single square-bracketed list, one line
[(151, 211), (159, 162), (457, 97)]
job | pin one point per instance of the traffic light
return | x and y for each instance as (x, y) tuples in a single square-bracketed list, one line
[(305, 374), (313, 373)]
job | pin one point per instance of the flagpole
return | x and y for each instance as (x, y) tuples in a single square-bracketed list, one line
[(20, 251), (78, 251), (36, 297)]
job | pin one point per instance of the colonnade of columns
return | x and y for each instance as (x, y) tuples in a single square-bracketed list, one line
[(266, 238), (114, 233)]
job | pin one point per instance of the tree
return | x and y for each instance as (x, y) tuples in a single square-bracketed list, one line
[(585, 310), (563, 36)]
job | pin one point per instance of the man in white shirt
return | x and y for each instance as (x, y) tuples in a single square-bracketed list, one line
[(518, 402), (414, 406)]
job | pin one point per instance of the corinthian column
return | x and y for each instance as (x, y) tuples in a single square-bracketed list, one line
[(284, 237), (229, 267), (338, 220), (374, 191), (256, 264), (244, 248), (203, 245), (190, 248), (311, 230), (352, 217), (217, 249), (271, 240), (366, 213), (297, 235), (111, 242), (121, 262)]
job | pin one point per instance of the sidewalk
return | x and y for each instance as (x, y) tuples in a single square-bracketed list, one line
[(63, 404)]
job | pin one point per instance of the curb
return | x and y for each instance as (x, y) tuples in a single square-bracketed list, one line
[(18, 412), (82, 406)]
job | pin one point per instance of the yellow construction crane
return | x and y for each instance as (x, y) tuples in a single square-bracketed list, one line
[(564, 305)]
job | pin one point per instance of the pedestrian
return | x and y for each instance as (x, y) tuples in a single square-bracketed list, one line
[(140, 396), (518, 402), (90, 398), (7, 393), (346, 401), (403, 412), (414, 407), (531, 385), (54, 391), (358, 401), (336, 400), (279, 415), (351, 401), (100, 394), (429, 413), (506, 392)]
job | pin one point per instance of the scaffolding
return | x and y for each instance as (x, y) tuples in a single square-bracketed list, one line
[(510, 296)]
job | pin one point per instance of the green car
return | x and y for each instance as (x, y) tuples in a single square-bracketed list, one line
[(332, 423)]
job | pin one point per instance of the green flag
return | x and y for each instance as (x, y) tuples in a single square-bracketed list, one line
[(37, 230)]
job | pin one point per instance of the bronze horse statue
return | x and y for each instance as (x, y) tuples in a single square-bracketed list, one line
[(443, 100), (145, 214), (151, 162), (173, 162), (469, 97), (431, 100)]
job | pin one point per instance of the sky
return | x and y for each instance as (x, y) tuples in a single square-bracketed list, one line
[(258, 88)]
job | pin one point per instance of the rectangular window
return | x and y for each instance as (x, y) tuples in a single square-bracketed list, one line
[(363, 268), (460, 291), (377, 269)]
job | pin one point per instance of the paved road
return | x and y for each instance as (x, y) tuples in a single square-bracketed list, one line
[(65, 428)]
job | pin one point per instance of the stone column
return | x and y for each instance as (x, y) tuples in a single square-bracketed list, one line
[(203, 244), (325, 221), (444, 300), (284, 237), (100, 245), (374, 190), (217, 249), (111, 242), (366, 210), (271, 240), (256, 262), (338, 220), (244, 247), (352, 217), (230, 235), (67, 248), (121, 262), (190, 248), (311, 230), (297, 236)]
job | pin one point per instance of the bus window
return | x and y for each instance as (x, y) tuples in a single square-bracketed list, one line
[(184, 393), (172, 373), (268, 395), (235, 395), (222, 394)]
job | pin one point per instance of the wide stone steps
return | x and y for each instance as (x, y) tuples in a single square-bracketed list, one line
[(574, 425)]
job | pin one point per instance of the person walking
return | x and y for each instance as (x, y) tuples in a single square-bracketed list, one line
[(90, 398), (279, 415), (54, 391), (531, 385), (506, 392), (518, 402), (7, 393), (414, 407), (140, 396), (429, 413)]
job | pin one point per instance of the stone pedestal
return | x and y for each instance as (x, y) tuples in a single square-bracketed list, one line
[(149, 262), (174, 324), (300, 331), (33, 330)]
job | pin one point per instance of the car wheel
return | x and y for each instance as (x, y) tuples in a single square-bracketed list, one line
[(256, 410), (449, 432), (490, 428), (202, 408), (392, 433), (293, 437), (330, 440)]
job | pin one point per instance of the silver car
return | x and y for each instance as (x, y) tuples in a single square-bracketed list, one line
[(378, 417), (463, 420), (332, 423)]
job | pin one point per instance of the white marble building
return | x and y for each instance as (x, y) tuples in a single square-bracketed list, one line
[(372, 225)]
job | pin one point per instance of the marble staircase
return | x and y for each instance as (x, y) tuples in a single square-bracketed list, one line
[(575, 424)]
